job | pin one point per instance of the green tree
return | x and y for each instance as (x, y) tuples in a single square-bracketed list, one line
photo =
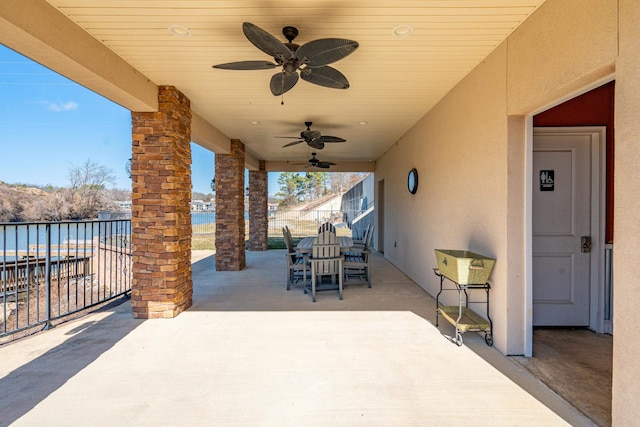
[(292, 188), (316, 184)]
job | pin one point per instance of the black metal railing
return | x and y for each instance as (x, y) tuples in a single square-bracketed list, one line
[(300, 222), (306, 223), (204, 222), (49, 270)]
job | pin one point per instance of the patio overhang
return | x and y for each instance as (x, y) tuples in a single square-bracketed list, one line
[(41, 32)]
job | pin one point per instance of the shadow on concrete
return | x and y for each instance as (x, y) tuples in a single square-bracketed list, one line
[(25, 387), (228, 305)]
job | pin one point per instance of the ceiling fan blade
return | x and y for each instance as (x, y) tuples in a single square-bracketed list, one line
[(292, 143), (327, 138), (316, 144), (282, 82), (321, 52), (325, 76), (323, 165), (246, 65), (265, 41)]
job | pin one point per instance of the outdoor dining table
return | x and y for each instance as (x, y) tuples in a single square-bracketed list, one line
[(305, 246)]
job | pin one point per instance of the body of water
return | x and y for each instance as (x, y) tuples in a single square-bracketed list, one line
[(198, 218), (67, 237), (21, 237)]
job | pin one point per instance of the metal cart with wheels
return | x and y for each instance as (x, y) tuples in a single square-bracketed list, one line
[(461, 316)]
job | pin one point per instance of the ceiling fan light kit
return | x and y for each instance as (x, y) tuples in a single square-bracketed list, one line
[(308, 62)]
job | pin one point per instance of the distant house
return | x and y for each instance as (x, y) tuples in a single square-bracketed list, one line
[(124, 205), (202, 206)]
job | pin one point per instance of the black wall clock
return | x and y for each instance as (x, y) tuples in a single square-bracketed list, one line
[(412, 181)]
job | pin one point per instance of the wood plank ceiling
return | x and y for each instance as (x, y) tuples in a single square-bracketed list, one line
[(394, 80)]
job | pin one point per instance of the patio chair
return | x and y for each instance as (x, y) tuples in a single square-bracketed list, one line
[(357, 262), (369, 239), (287, 236), (326, 263), (297, 265), (364, 236), (327, 226), (364, 243)]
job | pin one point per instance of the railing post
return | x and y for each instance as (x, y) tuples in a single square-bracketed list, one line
[(47, 268), (71, 273)]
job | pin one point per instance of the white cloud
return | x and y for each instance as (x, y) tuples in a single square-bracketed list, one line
[(65, 106)]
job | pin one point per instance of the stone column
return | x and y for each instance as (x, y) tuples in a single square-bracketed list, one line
[(258, 213), (230, 225), (161, 221)]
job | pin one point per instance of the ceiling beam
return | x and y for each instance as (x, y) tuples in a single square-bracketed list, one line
[(39, 31), (251, 162), (208, 136), (340, 167)]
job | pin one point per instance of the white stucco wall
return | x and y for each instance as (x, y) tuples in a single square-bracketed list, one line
[(460, 153), (563, 47), (626, 340), (471, 152)]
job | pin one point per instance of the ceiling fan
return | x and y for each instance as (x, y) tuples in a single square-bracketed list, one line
[(314, 162), (310, 60), (313, 138)]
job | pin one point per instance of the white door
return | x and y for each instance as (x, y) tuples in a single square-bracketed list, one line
[(562, 222)]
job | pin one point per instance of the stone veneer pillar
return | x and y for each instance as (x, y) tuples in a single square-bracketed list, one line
[(161, 221), (258, 213), (230, 225)]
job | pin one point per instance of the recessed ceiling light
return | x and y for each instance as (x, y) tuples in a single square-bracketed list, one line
[(179, 31), (254, 122), (402, 30), (363, 123)]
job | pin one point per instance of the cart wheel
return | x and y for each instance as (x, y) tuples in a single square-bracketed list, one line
[(459, 339), (488, 339)]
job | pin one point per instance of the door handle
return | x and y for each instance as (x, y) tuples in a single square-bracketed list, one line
[(585, 242)]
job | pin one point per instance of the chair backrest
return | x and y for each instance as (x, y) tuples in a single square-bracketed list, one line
[(366, 233), (289, 243), (325, 253), (286, 240), (327, 226), (369, 238), (326, 238)]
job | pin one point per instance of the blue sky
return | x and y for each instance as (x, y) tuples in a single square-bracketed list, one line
[(51, 124)]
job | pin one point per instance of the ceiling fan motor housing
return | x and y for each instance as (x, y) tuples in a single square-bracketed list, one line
[(290, 33)]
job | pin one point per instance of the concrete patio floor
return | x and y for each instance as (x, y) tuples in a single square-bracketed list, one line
[(250, 353)]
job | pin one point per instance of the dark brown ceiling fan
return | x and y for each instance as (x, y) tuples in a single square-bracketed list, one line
[(309, 60), (316, 163), (313, 138)]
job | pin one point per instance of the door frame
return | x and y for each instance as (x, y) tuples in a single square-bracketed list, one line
[(379, 244), (598, 187)]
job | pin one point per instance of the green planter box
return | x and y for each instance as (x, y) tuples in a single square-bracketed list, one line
[(464, 267)]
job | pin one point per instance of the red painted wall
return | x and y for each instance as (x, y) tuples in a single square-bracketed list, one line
[(594, 108)]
